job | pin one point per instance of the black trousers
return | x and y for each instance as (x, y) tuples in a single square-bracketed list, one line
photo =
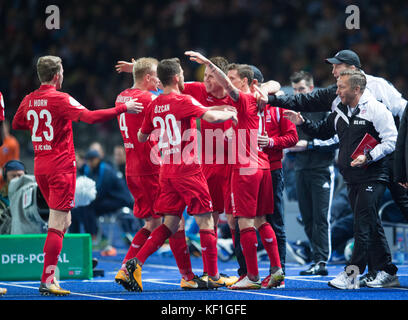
[(277, 219), (314, 190), (370, 244), (399, 194)]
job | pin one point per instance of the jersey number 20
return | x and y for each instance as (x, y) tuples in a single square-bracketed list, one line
[(166, 125)]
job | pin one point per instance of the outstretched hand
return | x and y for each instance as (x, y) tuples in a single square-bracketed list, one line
[(124, 66), (197, 57), (133, 106), (294, 117), (261, 97)]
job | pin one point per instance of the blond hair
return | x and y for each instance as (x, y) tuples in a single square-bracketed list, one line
[(48, 67), (143, 66)]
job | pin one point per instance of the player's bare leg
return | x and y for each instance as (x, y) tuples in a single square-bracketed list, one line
[(58, 223)]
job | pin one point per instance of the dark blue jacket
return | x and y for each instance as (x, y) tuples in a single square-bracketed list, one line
[(112, 191)]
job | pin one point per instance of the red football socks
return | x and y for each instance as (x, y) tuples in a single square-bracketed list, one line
[(138, 241), (153, 243), (178, 246), (52, 249), (270, 244), (249, 243), (208, 242)]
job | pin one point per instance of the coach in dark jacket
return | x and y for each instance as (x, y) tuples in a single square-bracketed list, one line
[(326, 99), (357, 114)]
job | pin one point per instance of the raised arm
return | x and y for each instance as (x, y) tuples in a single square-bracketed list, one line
[(124, 66), (219, 75)]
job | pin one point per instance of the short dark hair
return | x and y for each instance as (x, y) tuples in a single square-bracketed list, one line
[(167, 69), (244, 71), (221, 63), (302, 75)]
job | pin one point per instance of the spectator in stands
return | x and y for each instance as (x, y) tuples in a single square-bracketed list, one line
[(9, 150), (12, 169)]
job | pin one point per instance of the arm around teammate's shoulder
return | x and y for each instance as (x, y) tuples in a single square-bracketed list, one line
[(103, 115)]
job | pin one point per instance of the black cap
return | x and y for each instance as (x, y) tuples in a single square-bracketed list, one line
[(257, 74), (345, 56)]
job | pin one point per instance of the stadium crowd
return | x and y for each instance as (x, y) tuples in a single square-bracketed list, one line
[(280, 37)]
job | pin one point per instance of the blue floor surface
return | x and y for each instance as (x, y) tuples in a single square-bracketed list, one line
[(161, 281)]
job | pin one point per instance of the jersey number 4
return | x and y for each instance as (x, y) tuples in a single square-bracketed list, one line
[(42, 115), (122, 125)]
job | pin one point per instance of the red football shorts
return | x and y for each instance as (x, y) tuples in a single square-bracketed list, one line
[(58, 190), (144, 190), (252, 195), (216, 176), (177, 193)]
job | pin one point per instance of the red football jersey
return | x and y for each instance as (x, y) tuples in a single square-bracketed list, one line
[(282, 131), (2, 114), (141, 158), (171, 115), (48, 114), (250, 123), (218, 153)]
